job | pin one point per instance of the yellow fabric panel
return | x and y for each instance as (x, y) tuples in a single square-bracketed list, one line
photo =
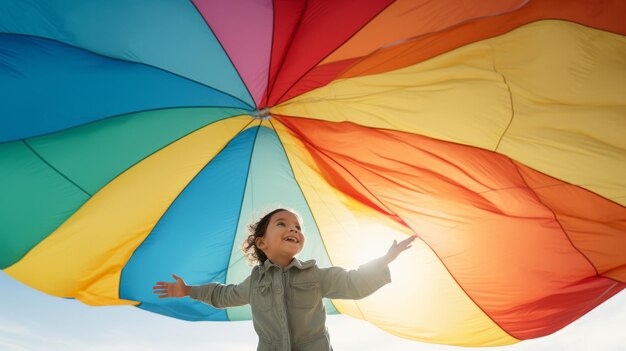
[(84, 257), (455, 97), (555, 89), (422, 292), (570, 113)]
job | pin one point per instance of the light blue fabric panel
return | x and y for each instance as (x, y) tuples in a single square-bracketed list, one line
[(47, 86), (271, 184), (194, 237), (168, 34)]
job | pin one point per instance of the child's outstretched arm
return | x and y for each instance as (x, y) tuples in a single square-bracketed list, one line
[(338, 283), (215, 294), (176, 289), (397, 248)]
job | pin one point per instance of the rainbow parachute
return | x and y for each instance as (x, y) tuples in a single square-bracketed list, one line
[(139, 138)]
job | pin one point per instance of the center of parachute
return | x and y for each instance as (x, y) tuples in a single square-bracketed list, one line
[(263, 114)]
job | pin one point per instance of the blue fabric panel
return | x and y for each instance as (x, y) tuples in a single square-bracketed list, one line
[(271, 184), (194, 237), (171, 35), (47, 86)]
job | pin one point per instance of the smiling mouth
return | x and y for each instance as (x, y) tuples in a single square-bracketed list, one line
[(292, 239)]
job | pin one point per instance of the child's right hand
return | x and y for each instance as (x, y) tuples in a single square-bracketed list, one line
[(397, 248), (175, 289)]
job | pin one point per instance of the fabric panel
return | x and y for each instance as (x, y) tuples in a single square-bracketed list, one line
[(244, 29)]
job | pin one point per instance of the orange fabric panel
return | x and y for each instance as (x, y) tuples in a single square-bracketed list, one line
[(607, 15), (502, 245), (604, 14), (595, 226), (406, 19)]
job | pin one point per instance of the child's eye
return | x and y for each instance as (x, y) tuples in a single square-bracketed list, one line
[(280, 223)]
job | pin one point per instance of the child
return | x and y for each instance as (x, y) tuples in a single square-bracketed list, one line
[(285, 294)]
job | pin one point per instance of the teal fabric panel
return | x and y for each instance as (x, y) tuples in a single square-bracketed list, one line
[(35, 199), (271, 184), (93, 154)]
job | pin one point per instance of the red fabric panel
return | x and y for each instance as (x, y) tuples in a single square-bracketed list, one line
[(322, 27), (287, 17), (473, 207)]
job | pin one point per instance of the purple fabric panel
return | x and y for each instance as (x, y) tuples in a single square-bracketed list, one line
[(244, 28)]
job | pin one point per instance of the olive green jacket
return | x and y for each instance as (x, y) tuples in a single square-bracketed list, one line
[(287, 308)]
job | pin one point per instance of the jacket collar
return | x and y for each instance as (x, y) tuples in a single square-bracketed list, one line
[(295, 263)]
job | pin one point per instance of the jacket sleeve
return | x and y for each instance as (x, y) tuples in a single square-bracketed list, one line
[(221, 295), (338, 283)]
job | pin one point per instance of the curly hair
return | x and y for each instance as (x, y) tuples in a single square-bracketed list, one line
[(253, 254)]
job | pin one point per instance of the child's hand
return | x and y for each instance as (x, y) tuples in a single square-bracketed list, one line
[(398, 247), (175, 289)]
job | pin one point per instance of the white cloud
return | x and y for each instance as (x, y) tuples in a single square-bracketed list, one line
[(12, 329)]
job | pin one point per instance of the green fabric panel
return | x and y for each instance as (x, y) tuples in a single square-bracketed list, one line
[(271, 184), (93, 154), (35, 200)]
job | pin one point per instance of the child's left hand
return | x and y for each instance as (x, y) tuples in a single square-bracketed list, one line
[(398, 247)]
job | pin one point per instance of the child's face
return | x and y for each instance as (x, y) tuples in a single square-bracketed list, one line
[(283, 238)]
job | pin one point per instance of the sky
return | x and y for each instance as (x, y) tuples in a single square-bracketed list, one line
[(33, 321)]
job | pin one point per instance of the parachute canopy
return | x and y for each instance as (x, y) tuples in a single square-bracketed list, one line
[(139, 138)]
